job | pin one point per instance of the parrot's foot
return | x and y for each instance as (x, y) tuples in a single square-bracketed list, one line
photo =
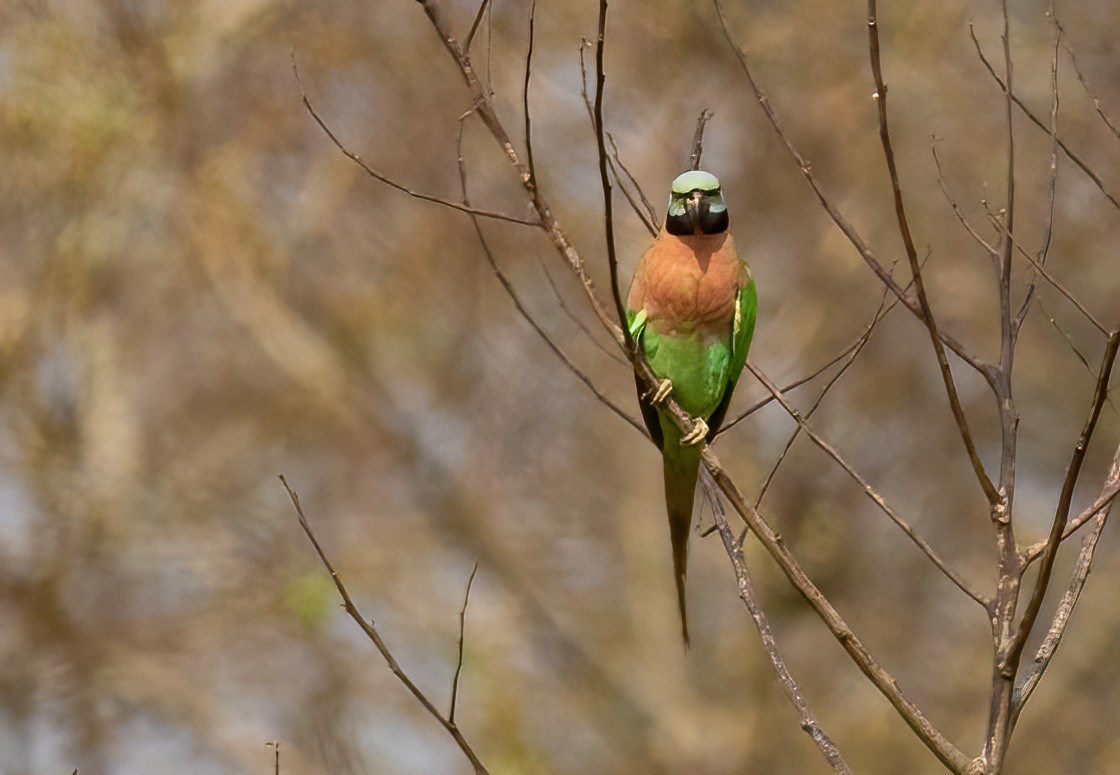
[(697, 434), (661, 392)]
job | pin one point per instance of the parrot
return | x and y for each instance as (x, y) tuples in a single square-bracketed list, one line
[(691, 312)]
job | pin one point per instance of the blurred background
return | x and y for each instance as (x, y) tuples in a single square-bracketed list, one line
[(198, 292)]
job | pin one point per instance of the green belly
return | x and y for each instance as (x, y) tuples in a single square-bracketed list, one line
[(696, 365)]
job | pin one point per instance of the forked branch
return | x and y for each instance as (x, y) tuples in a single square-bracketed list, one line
[(367, 626)]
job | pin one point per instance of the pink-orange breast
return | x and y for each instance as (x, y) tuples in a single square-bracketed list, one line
[(688, 283)]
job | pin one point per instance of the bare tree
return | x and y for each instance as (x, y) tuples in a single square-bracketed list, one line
[(1013, 607)]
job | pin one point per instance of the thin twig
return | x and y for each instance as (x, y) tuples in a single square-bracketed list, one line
[(849, 231), (1052, 188), (845, 353), (1061, 515), (1067, 339), (953, 758), (1053, 639), (870, 491), (880, 313), (698, 139), (525, 96), (747, 594), (1078, 162), (371, 632), (484, 107), (1039, 267), (1085, 83), (613, 355), (649, 216), (373, 173), (991, 249), (507, 286), (474, 27), (604, 177), (982, 477), (462, 640)]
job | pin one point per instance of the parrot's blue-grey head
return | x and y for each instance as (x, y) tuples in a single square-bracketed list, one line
[(696, 205)]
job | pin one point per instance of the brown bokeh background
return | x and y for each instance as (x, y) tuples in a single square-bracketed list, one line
[(197, 292)]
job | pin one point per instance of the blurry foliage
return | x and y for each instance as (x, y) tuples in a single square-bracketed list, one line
[(197, 292)]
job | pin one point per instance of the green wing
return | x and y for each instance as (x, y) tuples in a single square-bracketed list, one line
[(636, 321), (742, 330)]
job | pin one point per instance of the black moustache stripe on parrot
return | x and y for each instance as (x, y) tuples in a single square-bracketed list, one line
[(698, 217)]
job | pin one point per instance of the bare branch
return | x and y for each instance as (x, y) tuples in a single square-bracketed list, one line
[(937, 743), (845, 226), (605, 180), (846, 353), (1052, 186), (373, 173), (482, 8), (991, 249), (952, 757), (371, 632), (649, 217), (1061, 516), (880, 313), (982, 477), (1085, 83), (1078, 162), (507, 286), (1045, 653), (698, 139), (525, 96), (747, 594), (1009, 571), (462, 631), (612, 354), (870, 491)]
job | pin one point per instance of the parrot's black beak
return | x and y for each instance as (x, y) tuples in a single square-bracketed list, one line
[(694, 209)]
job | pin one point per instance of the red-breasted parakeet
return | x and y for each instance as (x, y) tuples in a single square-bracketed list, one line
[(691, 310)]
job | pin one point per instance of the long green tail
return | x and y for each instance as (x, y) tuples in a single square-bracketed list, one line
[(682, 467)]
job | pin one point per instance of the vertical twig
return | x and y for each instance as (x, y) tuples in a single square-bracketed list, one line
[(1061, 516), (525, 96), (1052, 187), (990, 491), (604, 177), (698, 139), (462, 631)]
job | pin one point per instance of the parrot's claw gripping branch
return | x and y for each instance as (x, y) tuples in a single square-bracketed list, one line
[(660, 392), (698, 433)]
